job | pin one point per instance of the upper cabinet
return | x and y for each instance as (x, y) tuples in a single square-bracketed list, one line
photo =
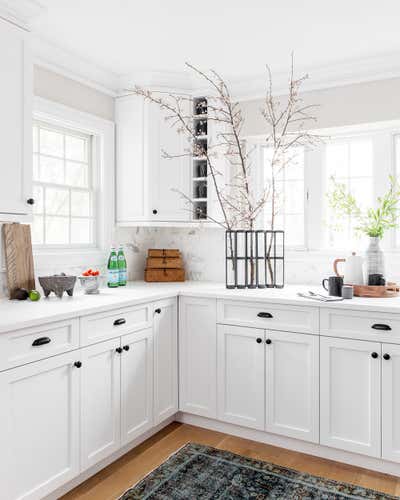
[(16, 91), (150, 187)]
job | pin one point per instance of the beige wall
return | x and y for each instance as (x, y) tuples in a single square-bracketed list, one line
[(63, 90), (339, 106)]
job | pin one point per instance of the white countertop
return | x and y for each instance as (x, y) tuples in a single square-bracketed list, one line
[(19, 314)]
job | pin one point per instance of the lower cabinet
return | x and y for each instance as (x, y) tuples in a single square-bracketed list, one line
[(39, 427), (136, 384), (240, 389), (350, 378), (391, 402), (292, 385), (165, 332), (100, 401)]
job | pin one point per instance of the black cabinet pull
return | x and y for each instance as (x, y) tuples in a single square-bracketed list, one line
[(264, 315), (155, 212), (268, 341), (120, 321), (381, 326), (78, 364), (386, 357), (259, 340), (119, 350), (126, 348), (30, 201), (374, 355), (157, 311), (41, 341)]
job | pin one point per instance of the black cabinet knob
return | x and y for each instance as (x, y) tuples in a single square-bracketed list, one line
[(381, 326), (126, 348), (30, 201), (374, 355), (264, 315), (386, 356), (119, 350), (259, 340), (157, 311), (155, 212), (268, 341), (78, 364)]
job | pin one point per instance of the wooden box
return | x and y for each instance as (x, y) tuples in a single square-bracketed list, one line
[(163, 252), (164, 262), (164, 265), (164, 275)]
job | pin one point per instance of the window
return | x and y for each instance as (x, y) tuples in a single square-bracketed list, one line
[(350, 162), (64, 213), (290, 202)]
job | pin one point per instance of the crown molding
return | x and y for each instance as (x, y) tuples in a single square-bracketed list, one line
[(20, 12)]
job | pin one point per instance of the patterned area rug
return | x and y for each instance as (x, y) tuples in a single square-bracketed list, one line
[(201, 472)]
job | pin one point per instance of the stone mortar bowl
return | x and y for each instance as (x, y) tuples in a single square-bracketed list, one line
[(58, 284)]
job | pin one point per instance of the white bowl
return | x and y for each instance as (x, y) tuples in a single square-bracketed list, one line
[(90, 284)]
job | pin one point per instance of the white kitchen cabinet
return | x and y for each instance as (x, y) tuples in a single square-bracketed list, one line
[(197, 356), (136, 384), (391, 402), (165, 338), (292, 385), (16, 92), (147, 182), (241, 380), (39, 426), (100, 401), (350, 378)]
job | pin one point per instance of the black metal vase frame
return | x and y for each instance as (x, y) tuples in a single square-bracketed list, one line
[(254, 259)]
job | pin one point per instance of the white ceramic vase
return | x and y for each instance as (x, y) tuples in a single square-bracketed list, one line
[(375, 258)]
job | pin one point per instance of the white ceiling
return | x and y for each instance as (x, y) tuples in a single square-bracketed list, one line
[(236, 38)]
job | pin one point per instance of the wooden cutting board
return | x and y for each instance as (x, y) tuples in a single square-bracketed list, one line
[(18, 256)]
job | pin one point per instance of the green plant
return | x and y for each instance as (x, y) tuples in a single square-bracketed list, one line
[(373, 221)]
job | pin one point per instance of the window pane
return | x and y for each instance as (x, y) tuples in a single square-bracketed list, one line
[(37, 230), (38, 197), (80, 203), (294, 197), (57, 201), (294, 230), (337, 159), (51, 170), (35, 139), (76, 174), (51, 143), (75, 148), (35, 166), (361, 159), (57, 230), (81, 231)]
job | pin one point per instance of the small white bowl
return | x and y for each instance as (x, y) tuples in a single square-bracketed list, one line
[(90, 284)]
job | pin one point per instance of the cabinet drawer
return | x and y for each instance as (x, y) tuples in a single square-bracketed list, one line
[(98, 327), (364, 325), (32, 344), (269, 316)]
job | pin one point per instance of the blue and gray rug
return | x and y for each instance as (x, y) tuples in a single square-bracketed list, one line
[(200, 472)]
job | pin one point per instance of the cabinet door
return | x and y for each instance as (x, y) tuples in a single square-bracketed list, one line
[(169, 177), (197, 356), (165, 360), (292, 385), (391, 402), (100, 407), (136, 384), (350, 378), (241, 358), (16, 91), (131, 174), (39, 426)]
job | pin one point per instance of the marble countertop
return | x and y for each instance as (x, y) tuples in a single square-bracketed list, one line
[(21, 314)]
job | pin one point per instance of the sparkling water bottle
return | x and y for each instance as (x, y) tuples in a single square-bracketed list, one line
[(122, 267), (113, 271)]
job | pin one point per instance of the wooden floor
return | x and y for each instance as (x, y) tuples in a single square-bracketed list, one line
[(112, 481)]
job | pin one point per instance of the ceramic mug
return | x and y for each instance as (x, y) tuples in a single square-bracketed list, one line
[(334, 287)]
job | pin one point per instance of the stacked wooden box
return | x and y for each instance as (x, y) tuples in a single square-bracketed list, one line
[(164, 265)]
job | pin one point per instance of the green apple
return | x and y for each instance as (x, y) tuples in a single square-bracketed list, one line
[(34, 295)]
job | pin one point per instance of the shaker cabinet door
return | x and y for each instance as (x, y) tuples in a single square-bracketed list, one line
[(39, 427), (241, 380), (292, 385), (391, 402), (350, 378)]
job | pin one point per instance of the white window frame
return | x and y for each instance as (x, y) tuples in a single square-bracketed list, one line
[(103, 168), (383, 135)]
